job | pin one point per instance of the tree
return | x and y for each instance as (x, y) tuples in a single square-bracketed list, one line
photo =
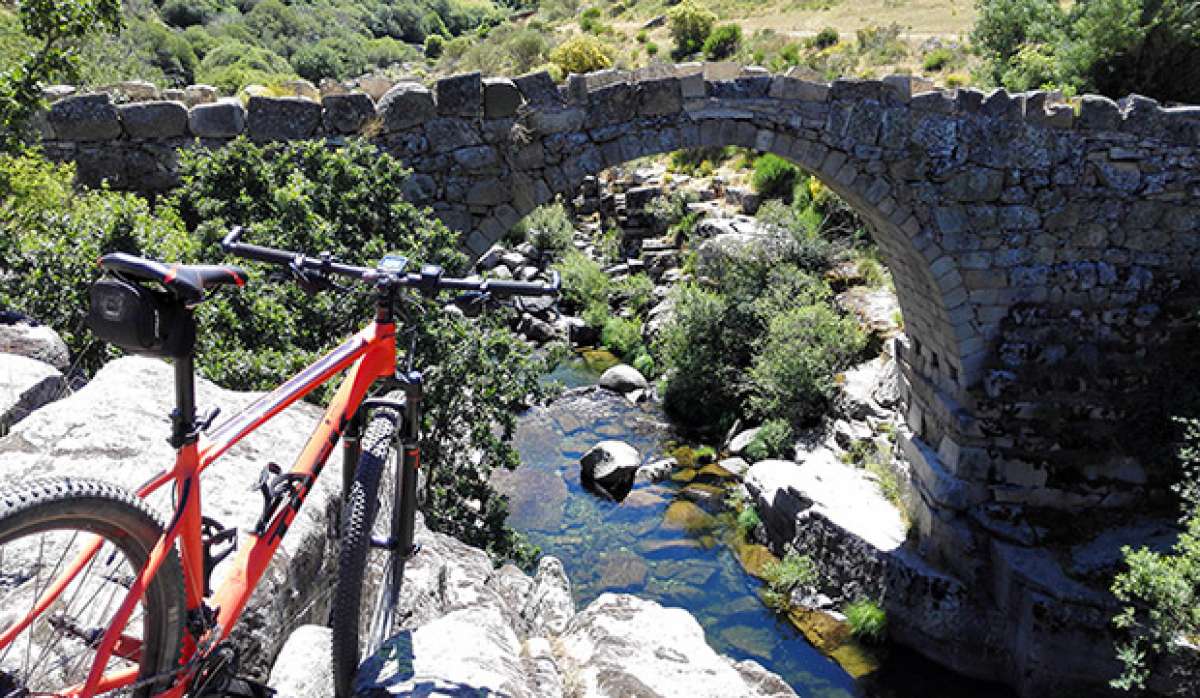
[(723, 42), (690, 26), (58, 26), (583, 54)]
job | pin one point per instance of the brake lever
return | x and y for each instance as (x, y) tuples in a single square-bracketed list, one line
[(309, 282)]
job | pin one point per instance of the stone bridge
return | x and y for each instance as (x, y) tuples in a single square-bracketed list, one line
[(1044, 255)]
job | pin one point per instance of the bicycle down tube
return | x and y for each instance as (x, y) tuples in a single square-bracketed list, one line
[(370, 355)]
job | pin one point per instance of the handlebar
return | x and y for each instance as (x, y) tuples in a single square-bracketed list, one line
[(429, 280)]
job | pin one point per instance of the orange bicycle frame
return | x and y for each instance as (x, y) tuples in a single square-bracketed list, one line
[(368, 356)]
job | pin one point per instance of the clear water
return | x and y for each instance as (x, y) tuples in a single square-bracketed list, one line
[(630, 547)]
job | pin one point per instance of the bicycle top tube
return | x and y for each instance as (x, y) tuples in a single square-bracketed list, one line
[(428, 280)]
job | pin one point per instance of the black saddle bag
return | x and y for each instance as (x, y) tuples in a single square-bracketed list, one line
[(139, 319)]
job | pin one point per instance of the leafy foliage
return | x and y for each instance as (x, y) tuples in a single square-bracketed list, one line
[(582, 54), (723, 42), (867, 620), (1161, 592), (689, 24), (774, 177), (548, 228), (56, 28), (793, 571), (773, 440), (622, 336)]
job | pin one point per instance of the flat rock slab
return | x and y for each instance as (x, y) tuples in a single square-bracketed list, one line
[(621, 646), (838, 492), (25, 385), (116, 428), (36, 342)]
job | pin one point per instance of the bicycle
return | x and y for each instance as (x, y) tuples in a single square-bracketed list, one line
[(169, 634)]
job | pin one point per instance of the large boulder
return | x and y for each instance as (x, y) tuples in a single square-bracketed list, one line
[(91, 117), (25, 385), (621, 646), (35, 342), (610, 463), (115, 429), (152, 120), (623, 378)]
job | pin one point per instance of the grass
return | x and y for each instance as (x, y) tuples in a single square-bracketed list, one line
[(867, 620), (877, 460), (794, 570), (747, 521)]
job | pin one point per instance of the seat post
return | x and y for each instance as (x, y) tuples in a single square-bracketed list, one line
[(183, 419)]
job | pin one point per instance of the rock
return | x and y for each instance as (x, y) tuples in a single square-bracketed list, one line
[(657, 471), (734, 246), (735, 466), (858, 385), (488, 260), (737, 445), (622, 570), (622, 646), (501, 98), (150, 120), (787, 493), (194, 95), (347, 113), (25, 385), (301, 88), (406, 105), (540, 331), (460, 95), (610, 463), (115, 428), (877, 308), (53, 93), (687, 516), (283, 118), (135, 91), (376, 86), (623, 378), (549, 606), (35, 342), (303, 669), (655, 22), (89, 117), (224, 119), (330, 87)]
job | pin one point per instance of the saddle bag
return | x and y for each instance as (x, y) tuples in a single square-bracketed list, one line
[(139, 319)]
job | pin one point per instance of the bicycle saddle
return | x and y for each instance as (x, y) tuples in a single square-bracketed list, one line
[(186, 281)]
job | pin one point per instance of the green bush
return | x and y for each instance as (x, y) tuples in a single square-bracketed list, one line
[(808, 248), (773, 440), (723, 42), (774, 177), (635, 292), (584, 285), (1160, 591), (622, 336), (793, 571), (582, 54), (668, 209), (825, 38), (549, 229), (317, 61), (793, 372), (434, 45), (747, 521), (651, 49), (867, 620), (937, 59), (690, 25)]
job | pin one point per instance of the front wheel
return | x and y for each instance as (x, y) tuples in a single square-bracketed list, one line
[(369, 576), (47, 529)]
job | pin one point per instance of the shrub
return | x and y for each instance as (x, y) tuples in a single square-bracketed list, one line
[(793, 371), (549, 229), (867, 620), (584, 284), (642, 36), (794, 570), (773, 440), (635, 292), (807, 247), (774, 177), (690, 26), (183, 14), (702, 359), (825, 38), (435, 44), (747, 521), (645, 365), (651, 49), (668, 209), (317, 61), (622, 336), (937, 59), (723, 42), (582, 54)]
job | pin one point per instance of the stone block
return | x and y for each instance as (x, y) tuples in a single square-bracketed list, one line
[(578, 86), (937, 102), (1099, 113), (501, 98), (784, 87), (91, 117), (406, 105), (460, 95), (1001, 105), (549, 119), (376, 86), (488, 192), (225, 119), (660, 97), (538, 88), (194, 95), (856, 90), (282, 118), (722, 71), (150, 120), (347, 113)]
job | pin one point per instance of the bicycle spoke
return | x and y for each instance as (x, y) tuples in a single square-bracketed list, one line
[(61, 631)]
